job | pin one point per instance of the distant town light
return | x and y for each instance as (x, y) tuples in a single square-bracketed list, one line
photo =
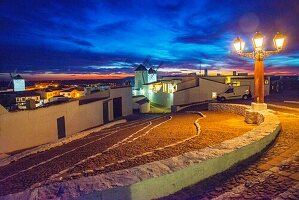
[(258, 41), (239, 44), (279, 41)]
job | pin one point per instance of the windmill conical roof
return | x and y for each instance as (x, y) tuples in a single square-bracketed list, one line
[(151, 71), (18, 77), (141, 67)]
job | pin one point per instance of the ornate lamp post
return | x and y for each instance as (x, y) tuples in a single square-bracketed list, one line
[(258, 55)]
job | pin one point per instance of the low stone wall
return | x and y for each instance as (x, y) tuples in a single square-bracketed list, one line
[(231, 108), (164, 177), (251, 117)]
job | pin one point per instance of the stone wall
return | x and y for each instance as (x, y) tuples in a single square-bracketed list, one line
[(231, 108), (251, 117)]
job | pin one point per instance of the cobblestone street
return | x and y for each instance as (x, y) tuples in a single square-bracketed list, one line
[(272, 175)]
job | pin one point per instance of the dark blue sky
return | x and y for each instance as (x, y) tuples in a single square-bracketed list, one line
[(107, 37)]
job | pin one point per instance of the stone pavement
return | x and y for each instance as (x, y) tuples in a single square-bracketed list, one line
[(272, 175)]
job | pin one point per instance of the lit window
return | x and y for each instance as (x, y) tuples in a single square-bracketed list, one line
[(170, 88), (236, 83), (164, 87)]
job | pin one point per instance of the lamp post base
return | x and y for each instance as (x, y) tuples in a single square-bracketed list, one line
[(258, 106)]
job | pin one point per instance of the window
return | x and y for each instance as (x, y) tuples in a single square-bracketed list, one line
[(164, 87), (170, 88), (229, 90), (236, 83)]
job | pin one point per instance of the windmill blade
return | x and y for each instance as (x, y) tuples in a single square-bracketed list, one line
[(161, 63), (9, 83), (147, 61), (11, 78)]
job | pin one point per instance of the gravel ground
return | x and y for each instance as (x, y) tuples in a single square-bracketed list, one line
[(216, 127), (133, 140), (273, 174)]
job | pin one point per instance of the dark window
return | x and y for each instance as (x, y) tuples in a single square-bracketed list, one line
[(229, 90)]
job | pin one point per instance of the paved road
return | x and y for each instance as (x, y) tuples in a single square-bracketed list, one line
[(274, 175)]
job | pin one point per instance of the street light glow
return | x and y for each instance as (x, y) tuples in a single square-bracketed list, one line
[(239, 44), (258, 41), (279, 41)]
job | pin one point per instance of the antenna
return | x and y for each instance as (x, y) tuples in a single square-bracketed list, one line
[(200, 68)]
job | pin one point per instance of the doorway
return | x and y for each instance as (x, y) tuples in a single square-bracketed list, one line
[(105, 112), (61, 127), (117, 107)]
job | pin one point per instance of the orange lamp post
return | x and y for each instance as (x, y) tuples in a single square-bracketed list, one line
[(258, 55)]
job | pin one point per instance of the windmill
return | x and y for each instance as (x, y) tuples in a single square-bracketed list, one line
[(18, 82), (12, 75), (153, 72)]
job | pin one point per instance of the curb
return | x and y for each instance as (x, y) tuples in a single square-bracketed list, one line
[(283, 107), (196, 123)]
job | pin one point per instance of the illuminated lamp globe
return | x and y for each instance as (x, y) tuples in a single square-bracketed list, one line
[(239, 44), (258, 41), (279, 41)]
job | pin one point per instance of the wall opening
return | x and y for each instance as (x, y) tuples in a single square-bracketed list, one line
[(105, 112), (61, 127), (117, 107)]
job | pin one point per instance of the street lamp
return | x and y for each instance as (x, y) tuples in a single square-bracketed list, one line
[(258, 55)]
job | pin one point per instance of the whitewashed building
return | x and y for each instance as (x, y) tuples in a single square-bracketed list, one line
[(47, 124), (182, 90)]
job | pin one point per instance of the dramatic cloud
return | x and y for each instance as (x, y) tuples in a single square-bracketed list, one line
[(108, 37)]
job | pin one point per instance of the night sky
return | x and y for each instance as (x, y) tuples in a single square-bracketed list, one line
[(104, 39)]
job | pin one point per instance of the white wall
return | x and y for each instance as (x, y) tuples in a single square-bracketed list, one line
[(24, 129), (145, 108), (187, 84), (186, 96), (141, 77), (126, 94), (161, 98), (197, 94), (152, 77), (207, 87)]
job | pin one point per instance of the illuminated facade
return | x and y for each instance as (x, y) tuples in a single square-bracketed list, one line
[(18, 83), (23, 96)]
